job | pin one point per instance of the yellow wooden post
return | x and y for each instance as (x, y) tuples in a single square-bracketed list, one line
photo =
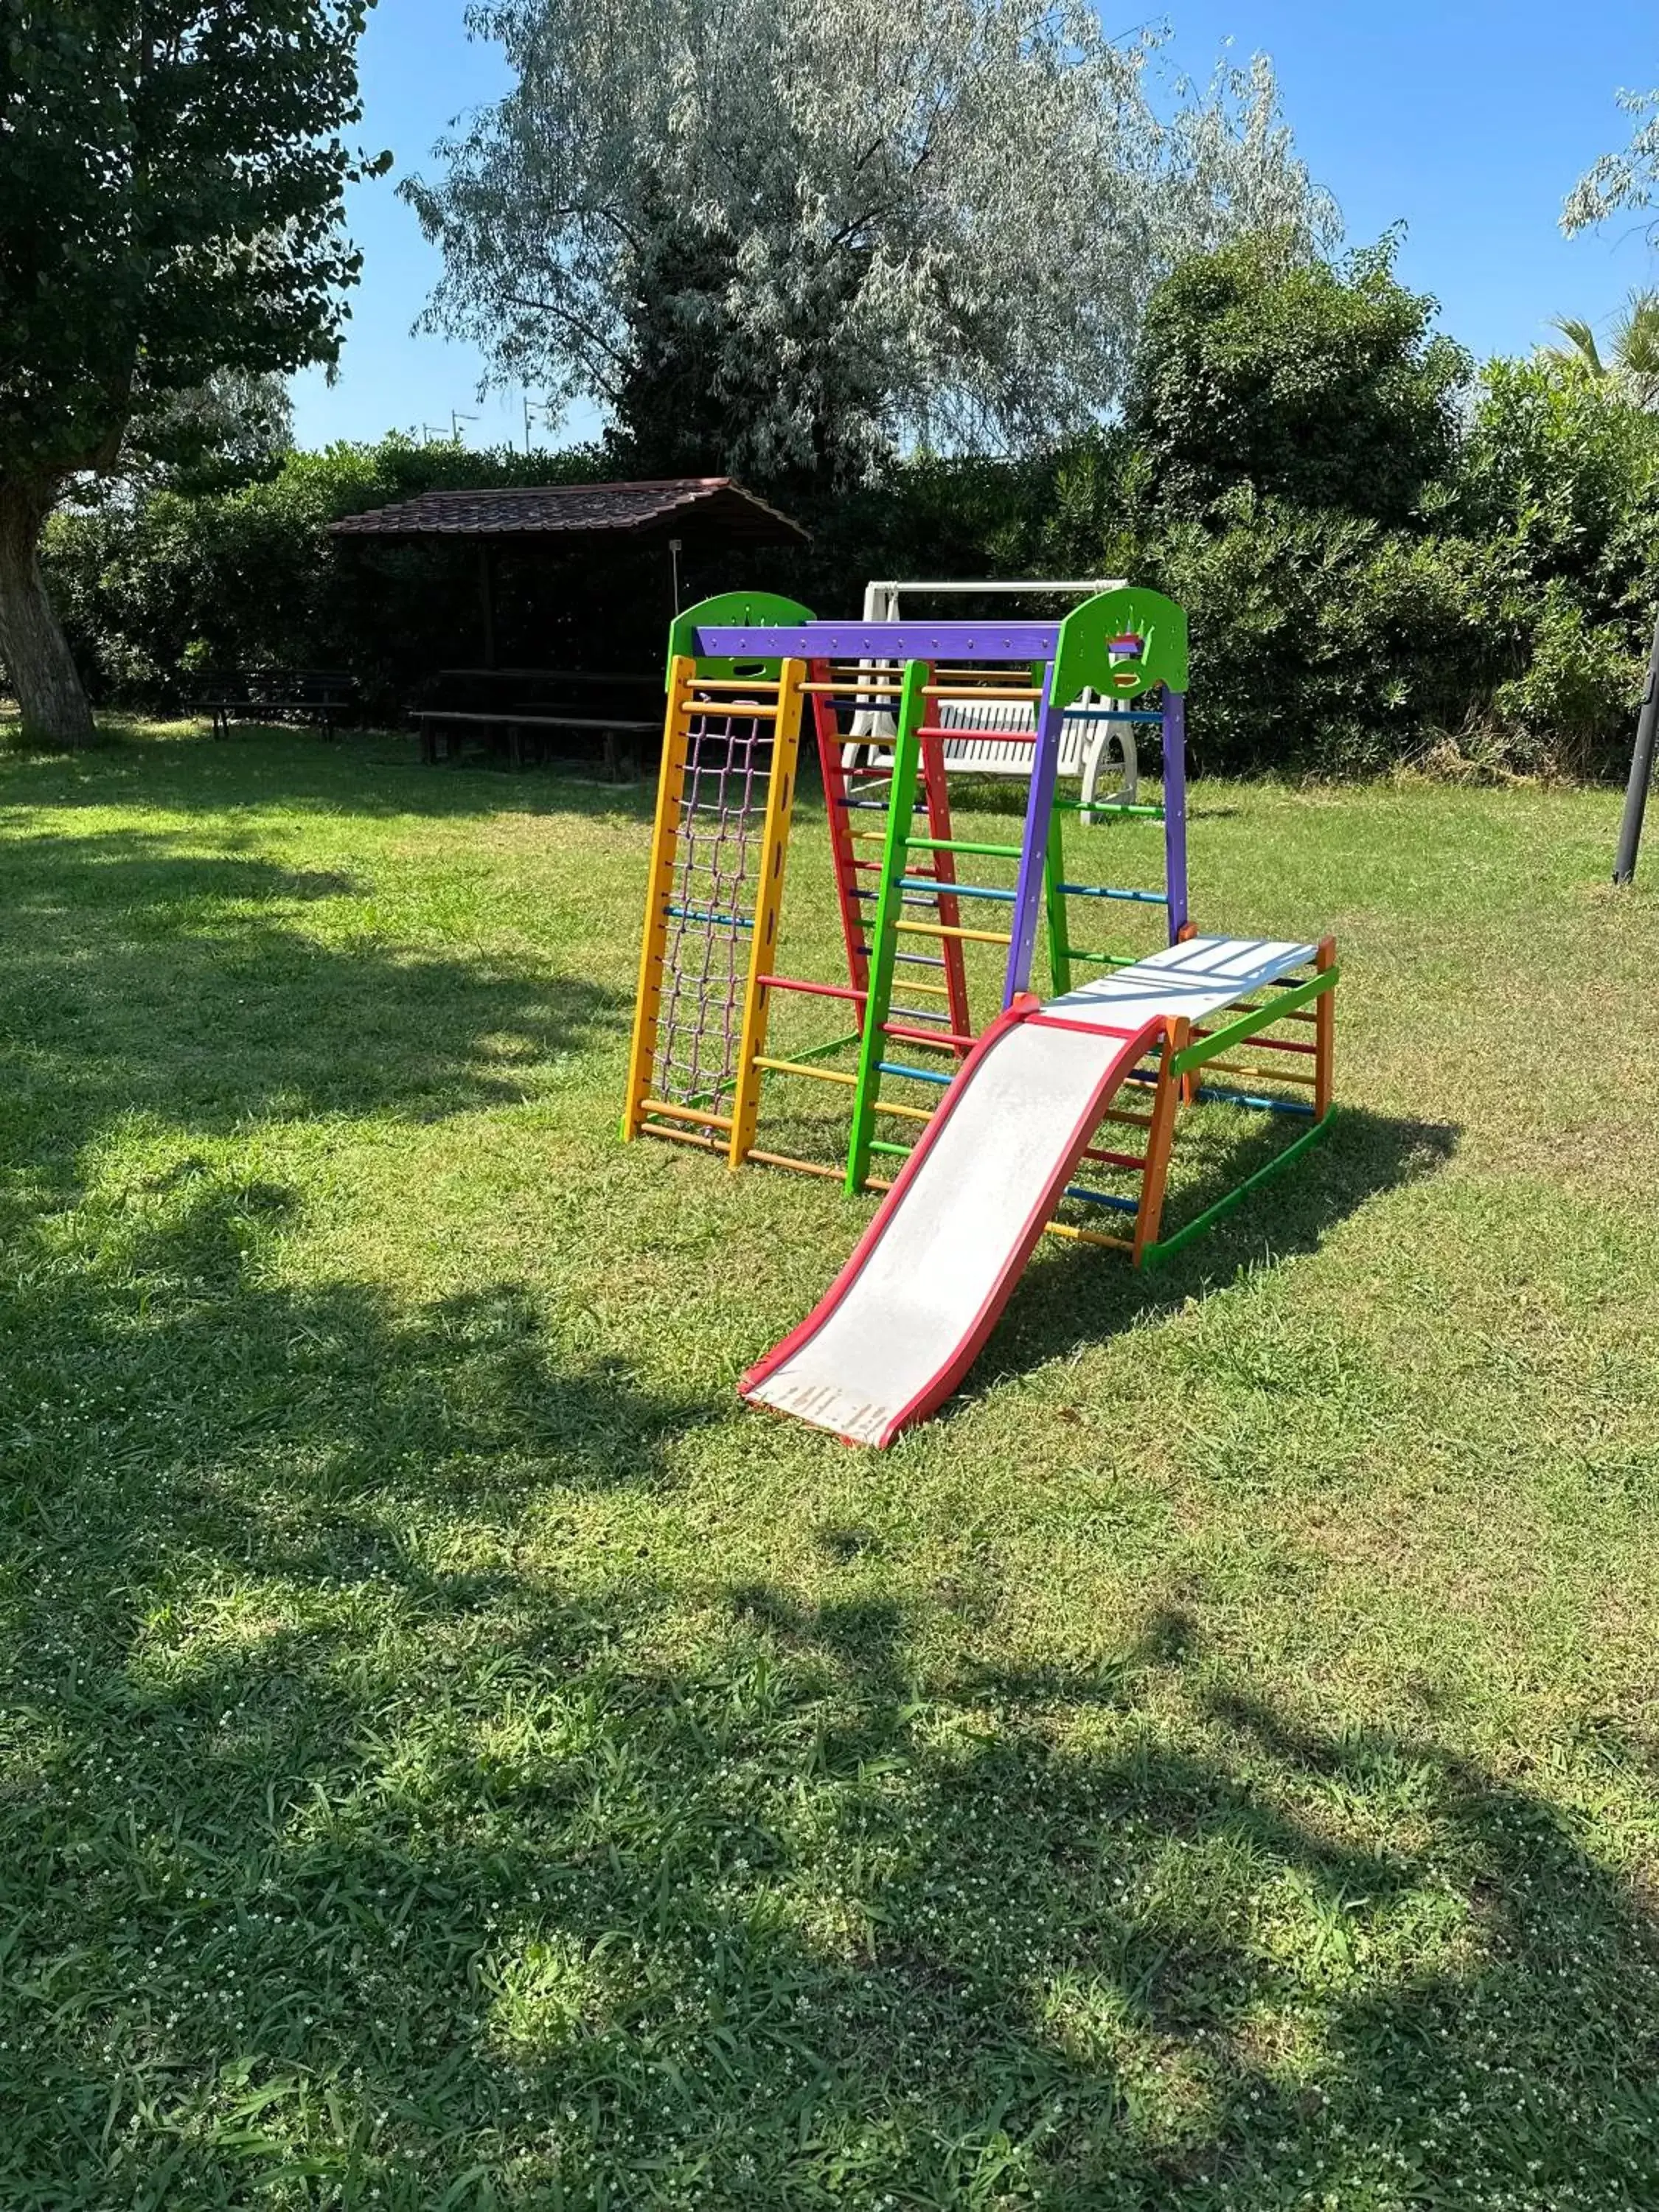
[(1160, 1137), (1324, 1033), (769, 900), (670, 783)]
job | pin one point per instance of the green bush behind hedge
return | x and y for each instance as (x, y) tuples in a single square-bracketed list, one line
[(1386, 558)]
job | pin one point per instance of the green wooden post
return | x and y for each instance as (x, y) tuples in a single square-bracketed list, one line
[(1054, 899), (890, 909)]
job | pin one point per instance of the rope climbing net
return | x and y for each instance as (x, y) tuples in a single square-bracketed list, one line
[(728, 766)]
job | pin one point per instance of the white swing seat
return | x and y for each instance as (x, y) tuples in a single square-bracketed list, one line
[(991, 746)]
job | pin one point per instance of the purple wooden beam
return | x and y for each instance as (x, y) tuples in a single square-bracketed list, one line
[(1174, 809), (904, 640), (1034, 845)]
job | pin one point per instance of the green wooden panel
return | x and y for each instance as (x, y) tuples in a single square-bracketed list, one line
[(1082, 661), (732, 610), (1248, 1025)]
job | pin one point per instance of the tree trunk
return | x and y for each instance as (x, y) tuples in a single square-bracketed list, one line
[(34, 648)]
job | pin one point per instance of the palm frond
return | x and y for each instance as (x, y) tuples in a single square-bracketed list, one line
[(1635, 335), (1582, 346)]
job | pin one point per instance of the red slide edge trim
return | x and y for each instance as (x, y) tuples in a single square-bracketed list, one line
[(1083, 1028), (1011, 1018), (935, 1392)]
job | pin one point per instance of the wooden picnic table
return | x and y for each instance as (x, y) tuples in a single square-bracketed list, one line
[(315, 696)]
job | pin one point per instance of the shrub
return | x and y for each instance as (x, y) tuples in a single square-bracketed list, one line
[(1322, 384), (1558, 463), (1558, 480), (1351, 608), (1060, 514), (1321, 642), (150, 587)]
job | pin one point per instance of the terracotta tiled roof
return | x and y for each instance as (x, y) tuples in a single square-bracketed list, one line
[(549, 510)]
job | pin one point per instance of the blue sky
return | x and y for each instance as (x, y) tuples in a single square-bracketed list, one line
[(1469, 119)]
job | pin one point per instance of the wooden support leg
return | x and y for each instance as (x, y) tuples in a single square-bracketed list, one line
[(1189, 1083), (1160, 1138), (1324, 1033)]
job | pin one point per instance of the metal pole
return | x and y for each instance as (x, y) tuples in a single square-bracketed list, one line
[(1641, 771)]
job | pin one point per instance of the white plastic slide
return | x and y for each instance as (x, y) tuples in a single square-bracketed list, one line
[(902, 1323)]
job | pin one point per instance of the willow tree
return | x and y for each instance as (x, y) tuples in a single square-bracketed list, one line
[(782, 236), (1623, 183), (171, 182)]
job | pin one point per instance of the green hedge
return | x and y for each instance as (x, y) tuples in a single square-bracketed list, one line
[(156, 591), (1495, 613)]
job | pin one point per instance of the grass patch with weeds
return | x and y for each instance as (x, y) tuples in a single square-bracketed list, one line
[(451, 1755)]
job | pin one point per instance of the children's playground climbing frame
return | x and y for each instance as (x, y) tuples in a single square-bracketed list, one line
[(743, 668)]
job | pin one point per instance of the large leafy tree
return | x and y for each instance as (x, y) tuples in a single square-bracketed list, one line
[(1324, 385), (171, 179), (782, 236)]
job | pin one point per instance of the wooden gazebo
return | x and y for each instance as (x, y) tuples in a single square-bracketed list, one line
[(693, 514), (697, 521)]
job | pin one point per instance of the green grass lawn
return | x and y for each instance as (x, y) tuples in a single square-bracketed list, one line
[(452, 1755)]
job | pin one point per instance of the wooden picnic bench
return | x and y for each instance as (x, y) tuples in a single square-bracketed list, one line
[(312, 695), (472, 708)]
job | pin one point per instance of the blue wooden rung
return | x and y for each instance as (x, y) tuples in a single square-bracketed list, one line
[(1102, 1198), (702, 913), (954, 891), (916, 1074), (1220, 1096), (1101, 891)]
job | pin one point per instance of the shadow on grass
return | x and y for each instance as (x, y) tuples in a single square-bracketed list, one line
[(385, 1819), (374, 772), (400, 1806), (328, 1476), (1080, 1296), (362, 1841), (139, 979)]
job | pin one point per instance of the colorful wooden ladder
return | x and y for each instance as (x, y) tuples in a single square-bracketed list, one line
[(857, 781), (718, 854), (917, 758)]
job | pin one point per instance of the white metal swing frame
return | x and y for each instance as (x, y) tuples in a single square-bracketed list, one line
[(984, 747)]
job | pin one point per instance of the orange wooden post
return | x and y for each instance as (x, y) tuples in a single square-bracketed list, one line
[(1160, 1138), (1189, 1083), (1324, 1032)]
